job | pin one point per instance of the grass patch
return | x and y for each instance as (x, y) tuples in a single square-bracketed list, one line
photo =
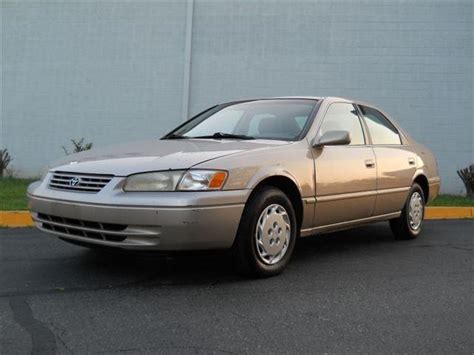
[(452, 201), (13, 193)]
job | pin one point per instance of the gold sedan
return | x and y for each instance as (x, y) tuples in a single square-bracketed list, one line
[(251, 175)]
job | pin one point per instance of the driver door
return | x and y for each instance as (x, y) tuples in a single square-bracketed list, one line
[(346, 177)]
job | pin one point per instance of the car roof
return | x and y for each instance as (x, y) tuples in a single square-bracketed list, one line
[(284, 98), (319, 98), (329, 98)]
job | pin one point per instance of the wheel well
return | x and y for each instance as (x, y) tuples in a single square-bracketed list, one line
[(290, 189), (423, 182)]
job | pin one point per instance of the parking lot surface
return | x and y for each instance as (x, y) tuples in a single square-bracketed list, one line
[(353, 291)]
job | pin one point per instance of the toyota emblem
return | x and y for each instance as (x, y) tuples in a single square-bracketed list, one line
[(74, 181)]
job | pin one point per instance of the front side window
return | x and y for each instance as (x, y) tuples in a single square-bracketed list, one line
[(280, 119), (343, 117), (380, 129)]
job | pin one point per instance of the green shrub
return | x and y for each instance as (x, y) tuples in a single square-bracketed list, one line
[(467, 177), (5, 160), (78, 146)]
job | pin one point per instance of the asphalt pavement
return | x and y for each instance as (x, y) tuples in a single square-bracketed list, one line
[(348, 292)]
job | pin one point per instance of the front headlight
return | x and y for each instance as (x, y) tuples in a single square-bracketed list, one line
[(157, 181), (191, 180), (195, 180)]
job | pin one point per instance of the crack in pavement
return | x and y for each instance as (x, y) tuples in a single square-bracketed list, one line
[(42, 338)]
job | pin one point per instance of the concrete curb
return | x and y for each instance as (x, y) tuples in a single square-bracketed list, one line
[(16, 219), (449, 212)]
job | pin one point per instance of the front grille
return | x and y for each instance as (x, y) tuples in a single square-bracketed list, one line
[(88, 229), (78, 182)]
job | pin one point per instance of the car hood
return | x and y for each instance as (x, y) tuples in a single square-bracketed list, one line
[(154, 155)]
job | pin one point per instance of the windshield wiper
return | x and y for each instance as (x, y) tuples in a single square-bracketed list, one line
[(174, 136), (221, 135)]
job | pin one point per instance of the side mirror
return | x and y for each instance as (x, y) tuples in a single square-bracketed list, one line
[(333, 138)]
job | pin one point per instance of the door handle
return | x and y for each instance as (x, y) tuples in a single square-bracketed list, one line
[(411, 161), (369, 163)]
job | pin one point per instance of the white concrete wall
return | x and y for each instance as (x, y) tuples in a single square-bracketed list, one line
[(114, 71)]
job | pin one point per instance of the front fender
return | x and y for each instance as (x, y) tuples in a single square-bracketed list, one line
[(272, 171)]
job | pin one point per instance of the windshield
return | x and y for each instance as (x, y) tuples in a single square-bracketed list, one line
[(280, 119)]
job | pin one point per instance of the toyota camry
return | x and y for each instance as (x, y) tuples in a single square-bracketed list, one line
[(251, 176)]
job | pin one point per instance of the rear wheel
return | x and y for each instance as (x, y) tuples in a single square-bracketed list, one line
[(409, 224), (266, 235)]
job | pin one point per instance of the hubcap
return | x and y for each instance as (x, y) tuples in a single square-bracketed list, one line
[(273, 233), (415, 211)]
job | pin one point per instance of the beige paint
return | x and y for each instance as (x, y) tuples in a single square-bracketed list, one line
[(340, 186)]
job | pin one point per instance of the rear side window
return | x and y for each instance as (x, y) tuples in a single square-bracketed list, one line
[(380, 128), (342, 116)]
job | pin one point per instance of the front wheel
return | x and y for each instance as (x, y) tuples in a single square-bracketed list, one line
[(409, 224), (267, 234)]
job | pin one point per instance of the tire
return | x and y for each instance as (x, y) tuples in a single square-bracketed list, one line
[(408, 227), (266, 235)]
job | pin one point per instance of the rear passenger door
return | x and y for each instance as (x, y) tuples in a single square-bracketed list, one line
[(345, 174), (395, 164)]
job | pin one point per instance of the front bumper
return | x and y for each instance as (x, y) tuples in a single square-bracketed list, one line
[(140, 221)]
